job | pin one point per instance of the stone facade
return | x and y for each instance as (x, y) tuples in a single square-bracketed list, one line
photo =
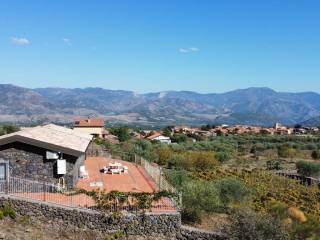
[(148, 224), (132, 224), (189, 233), (29, 162)]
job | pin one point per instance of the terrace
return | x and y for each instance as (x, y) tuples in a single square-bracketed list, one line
[(135, 180)]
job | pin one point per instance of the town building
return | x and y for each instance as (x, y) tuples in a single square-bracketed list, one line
[(159, 137), (92, 126)]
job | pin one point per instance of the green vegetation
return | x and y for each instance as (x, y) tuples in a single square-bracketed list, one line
[(315, 154), (167, 131), (274, 165), (115, 199), (234, 176), (232, 191), (8, 211), (121, 132), (308, 169), (250, 225), (7, 129), (117, 235)]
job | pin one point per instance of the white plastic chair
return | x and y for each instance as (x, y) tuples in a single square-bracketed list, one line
[(83, 173)]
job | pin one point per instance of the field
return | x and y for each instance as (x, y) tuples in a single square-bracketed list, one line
[(228, 183)]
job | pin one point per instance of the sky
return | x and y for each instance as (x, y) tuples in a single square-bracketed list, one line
[(149, 46)]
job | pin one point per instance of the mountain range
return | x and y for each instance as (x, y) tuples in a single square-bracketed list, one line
[(259, 106)]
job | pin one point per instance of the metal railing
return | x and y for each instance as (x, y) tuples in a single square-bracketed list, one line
[(52, 193), (156, 173), (44, 192)]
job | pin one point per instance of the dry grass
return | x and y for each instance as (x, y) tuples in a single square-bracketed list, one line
[(214, 222)]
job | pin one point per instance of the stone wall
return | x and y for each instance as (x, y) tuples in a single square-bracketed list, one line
[(189, 233), (133, 224), (148, 224), (30, 162)]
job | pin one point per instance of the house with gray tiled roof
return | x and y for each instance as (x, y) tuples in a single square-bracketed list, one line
[(47, 153)]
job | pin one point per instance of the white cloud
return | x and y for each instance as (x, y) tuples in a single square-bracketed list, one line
[(194, 49), (20, 41), (66, 41), (188, 50), (183, 50)]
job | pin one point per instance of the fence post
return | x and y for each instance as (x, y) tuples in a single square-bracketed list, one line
[(44, 192), (160, 178), (6, 187)]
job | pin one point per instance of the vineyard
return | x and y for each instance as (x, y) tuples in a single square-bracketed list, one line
[(268, 187)]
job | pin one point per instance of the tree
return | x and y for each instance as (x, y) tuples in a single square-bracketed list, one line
[(315, 154), (164, 155), (308, 169), (167, 131), (197, 198), (202, 160), (232, 191), (297, 126), (121, 132), (179, 138), (206, 127)]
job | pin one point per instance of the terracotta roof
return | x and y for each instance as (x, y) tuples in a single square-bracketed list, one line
[(52, 137), (156, 134), (89, 122)]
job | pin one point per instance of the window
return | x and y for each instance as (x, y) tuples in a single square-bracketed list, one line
[(3, 171)]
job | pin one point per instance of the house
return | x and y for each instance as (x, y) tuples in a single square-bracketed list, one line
[(182, 129), (92, 126), (159, 137), (47, 153)]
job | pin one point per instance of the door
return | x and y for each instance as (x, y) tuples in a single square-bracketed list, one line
[(4, 167)]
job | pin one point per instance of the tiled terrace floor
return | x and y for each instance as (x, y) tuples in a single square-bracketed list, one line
[(136, 180)]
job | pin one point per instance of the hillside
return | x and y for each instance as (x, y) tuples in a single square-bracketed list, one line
[(312, 122), (251, 106)]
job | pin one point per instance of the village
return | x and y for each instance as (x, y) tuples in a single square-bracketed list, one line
[(223, 130)]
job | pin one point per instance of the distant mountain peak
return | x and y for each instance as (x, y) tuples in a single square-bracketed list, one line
[(256, 105)]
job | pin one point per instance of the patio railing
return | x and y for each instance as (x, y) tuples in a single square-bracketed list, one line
[(52, 193)]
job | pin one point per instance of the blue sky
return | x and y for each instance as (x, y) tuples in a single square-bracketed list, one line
[(199, 45)]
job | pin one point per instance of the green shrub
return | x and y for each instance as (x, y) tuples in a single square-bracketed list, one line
[(278, 209), (248, 225), (198, 197), (308, 230), (222, 156), (117, 235), (308, 169), (315, 154), (1, 215), (274, 165), (232, 191), (179, 138), (177, 177), (8, 210)]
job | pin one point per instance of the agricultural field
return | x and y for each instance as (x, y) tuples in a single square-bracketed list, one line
[(228, 183)]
